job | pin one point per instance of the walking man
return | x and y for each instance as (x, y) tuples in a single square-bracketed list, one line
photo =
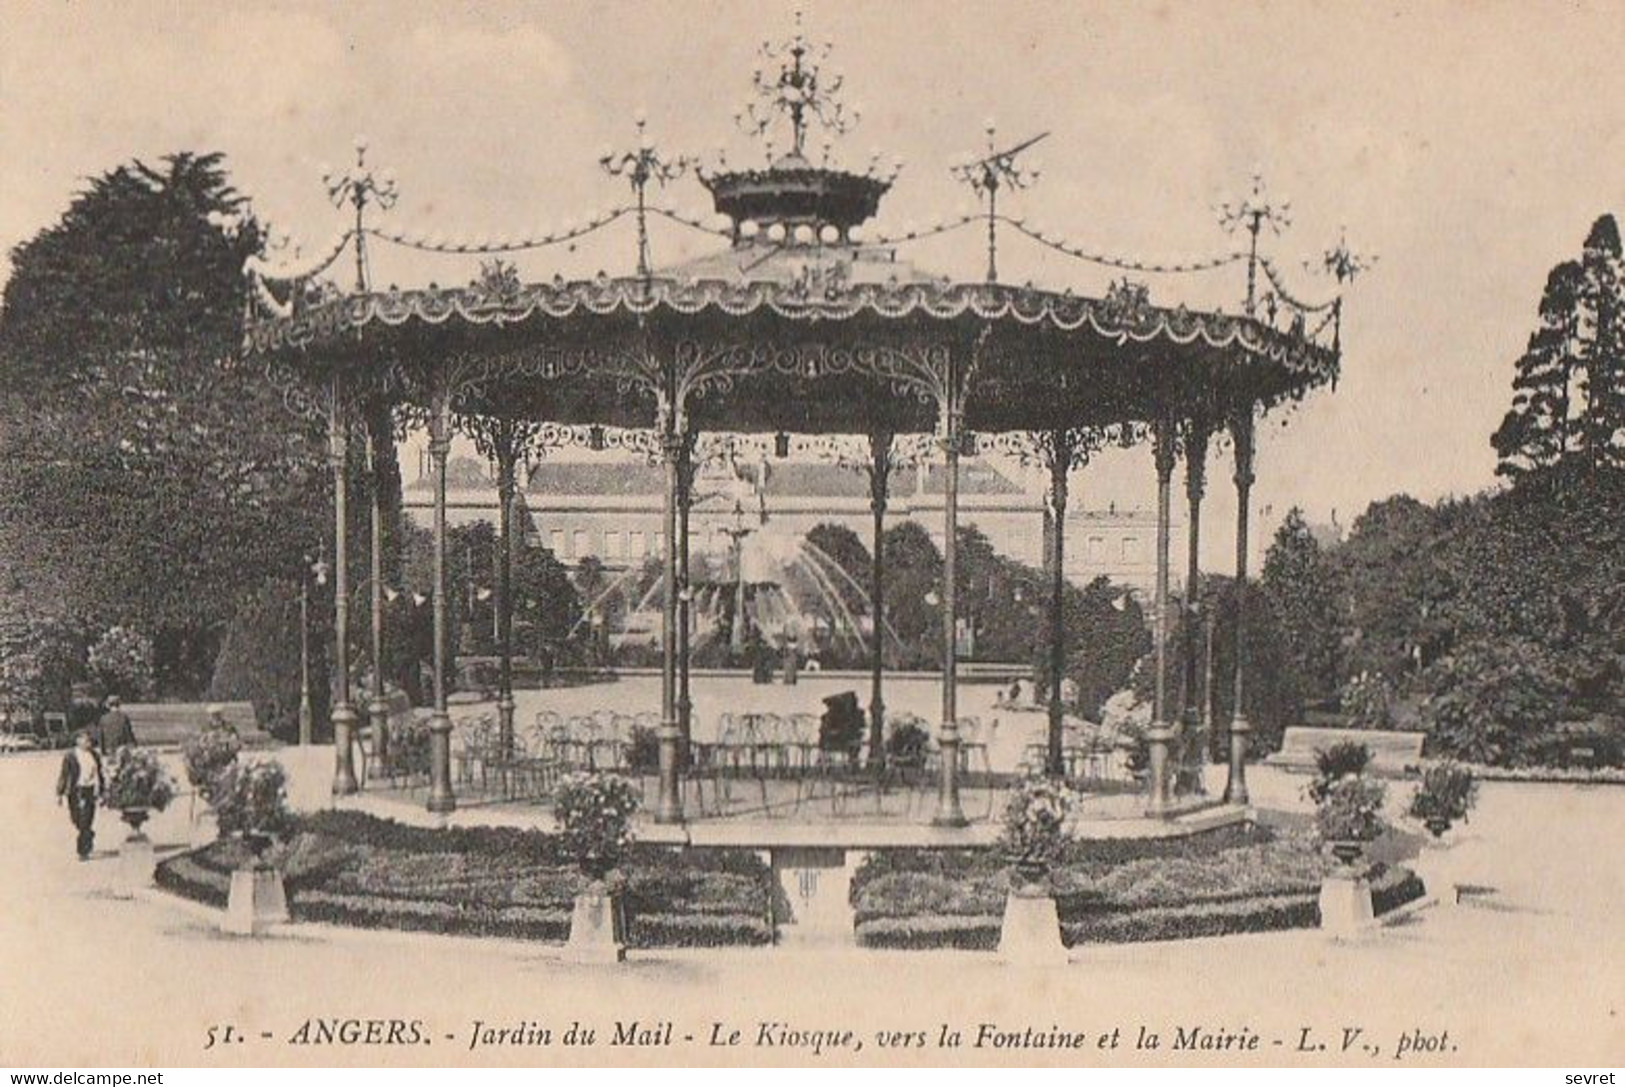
[(114, 730), (79, 784)]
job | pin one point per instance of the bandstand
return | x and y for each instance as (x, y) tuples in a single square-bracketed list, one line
[(804, 330)]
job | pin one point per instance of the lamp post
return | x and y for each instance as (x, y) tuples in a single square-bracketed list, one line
[(360, 189), (736, 533), (307, 715), (986, 175), (1252, 213), (640, 167)]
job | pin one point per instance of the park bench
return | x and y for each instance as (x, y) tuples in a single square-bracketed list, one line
[(1391, 752), (170, 724)]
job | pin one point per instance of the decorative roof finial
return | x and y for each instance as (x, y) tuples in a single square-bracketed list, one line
[(360, 188), (791, 81), (1344, 263), (987, 174), (1252, 213)]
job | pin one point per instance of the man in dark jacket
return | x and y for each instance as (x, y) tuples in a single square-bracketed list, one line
[(114, 730), (79, 784)]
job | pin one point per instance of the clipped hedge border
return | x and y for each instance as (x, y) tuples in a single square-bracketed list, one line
[(340, 873), (970, 862), (1220, 916), (191, 876)]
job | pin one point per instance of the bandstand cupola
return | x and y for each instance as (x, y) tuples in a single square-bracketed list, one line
[(793, 200)]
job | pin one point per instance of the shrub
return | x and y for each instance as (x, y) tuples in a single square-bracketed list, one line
[(1584, 744), (121, 661), (410, 746), (136, 779), (251, 798), (1034, 821), (907, 742), (1494, 702), (1351, 810), (258, 660), (1126, 712), (1367, 701), (594, 814), (1334, 763), (643, 749), (207, 753), (1445, 796), (842, 726)]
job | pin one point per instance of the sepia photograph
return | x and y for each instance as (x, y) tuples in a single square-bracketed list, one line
[(700, 533)]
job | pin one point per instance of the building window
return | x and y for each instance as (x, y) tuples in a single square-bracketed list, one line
[(635, 544), (612, 546), (1131, 549), (557, 538), (583, 544), (1097, 548)]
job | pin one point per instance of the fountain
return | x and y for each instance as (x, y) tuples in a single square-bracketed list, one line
[(769, 587)]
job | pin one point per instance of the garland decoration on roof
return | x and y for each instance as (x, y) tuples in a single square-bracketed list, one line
[(288, 271), (1124, 264), (541, 239), (1273, 274)]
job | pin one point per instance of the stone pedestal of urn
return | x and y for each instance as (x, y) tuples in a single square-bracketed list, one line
[(205, 829), (135, 857), (1345, 894), (596, 934), (1435, 865), (1031, 932), (256, 902)]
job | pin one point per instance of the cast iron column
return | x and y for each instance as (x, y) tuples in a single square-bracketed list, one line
[(685, 703), (344, 715), (1241, 432), (377, 707), (1190, 716), (670, 805), (949, 813), (506, 455), (1161, 732), (441, 798), (1060, 464), (880, 445), (307, 716)]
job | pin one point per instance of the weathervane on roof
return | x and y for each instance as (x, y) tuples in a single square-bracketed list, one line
[(792, 81)]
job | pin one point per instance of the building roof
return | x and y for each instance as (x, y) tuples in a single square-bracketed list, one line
[(785, 479)]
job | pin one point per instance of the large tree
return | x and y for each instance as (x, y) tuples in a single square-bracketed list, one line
[(913, 589), (1602, 347), (1302, 587), (145, 477), (1538, 431), (1389, 571), (1568, 405)]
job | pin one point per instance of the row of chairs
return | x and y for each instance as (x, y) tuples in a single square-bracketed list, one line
[(747, 747), (1090, 753)]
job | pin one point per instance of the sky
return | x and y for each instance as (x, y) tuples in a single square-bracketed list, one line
[(1468, 146)]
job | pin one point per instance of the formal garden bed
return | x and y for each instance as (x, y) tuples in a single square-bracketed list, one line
[(349, 868), (1240, 879)]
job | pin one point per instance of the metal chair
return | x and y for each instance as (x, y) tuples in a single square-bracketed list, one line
[(974, 742)]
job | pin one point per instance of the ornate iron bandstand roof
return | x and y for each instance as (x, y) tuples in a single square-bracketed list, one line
[(801, 324)]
